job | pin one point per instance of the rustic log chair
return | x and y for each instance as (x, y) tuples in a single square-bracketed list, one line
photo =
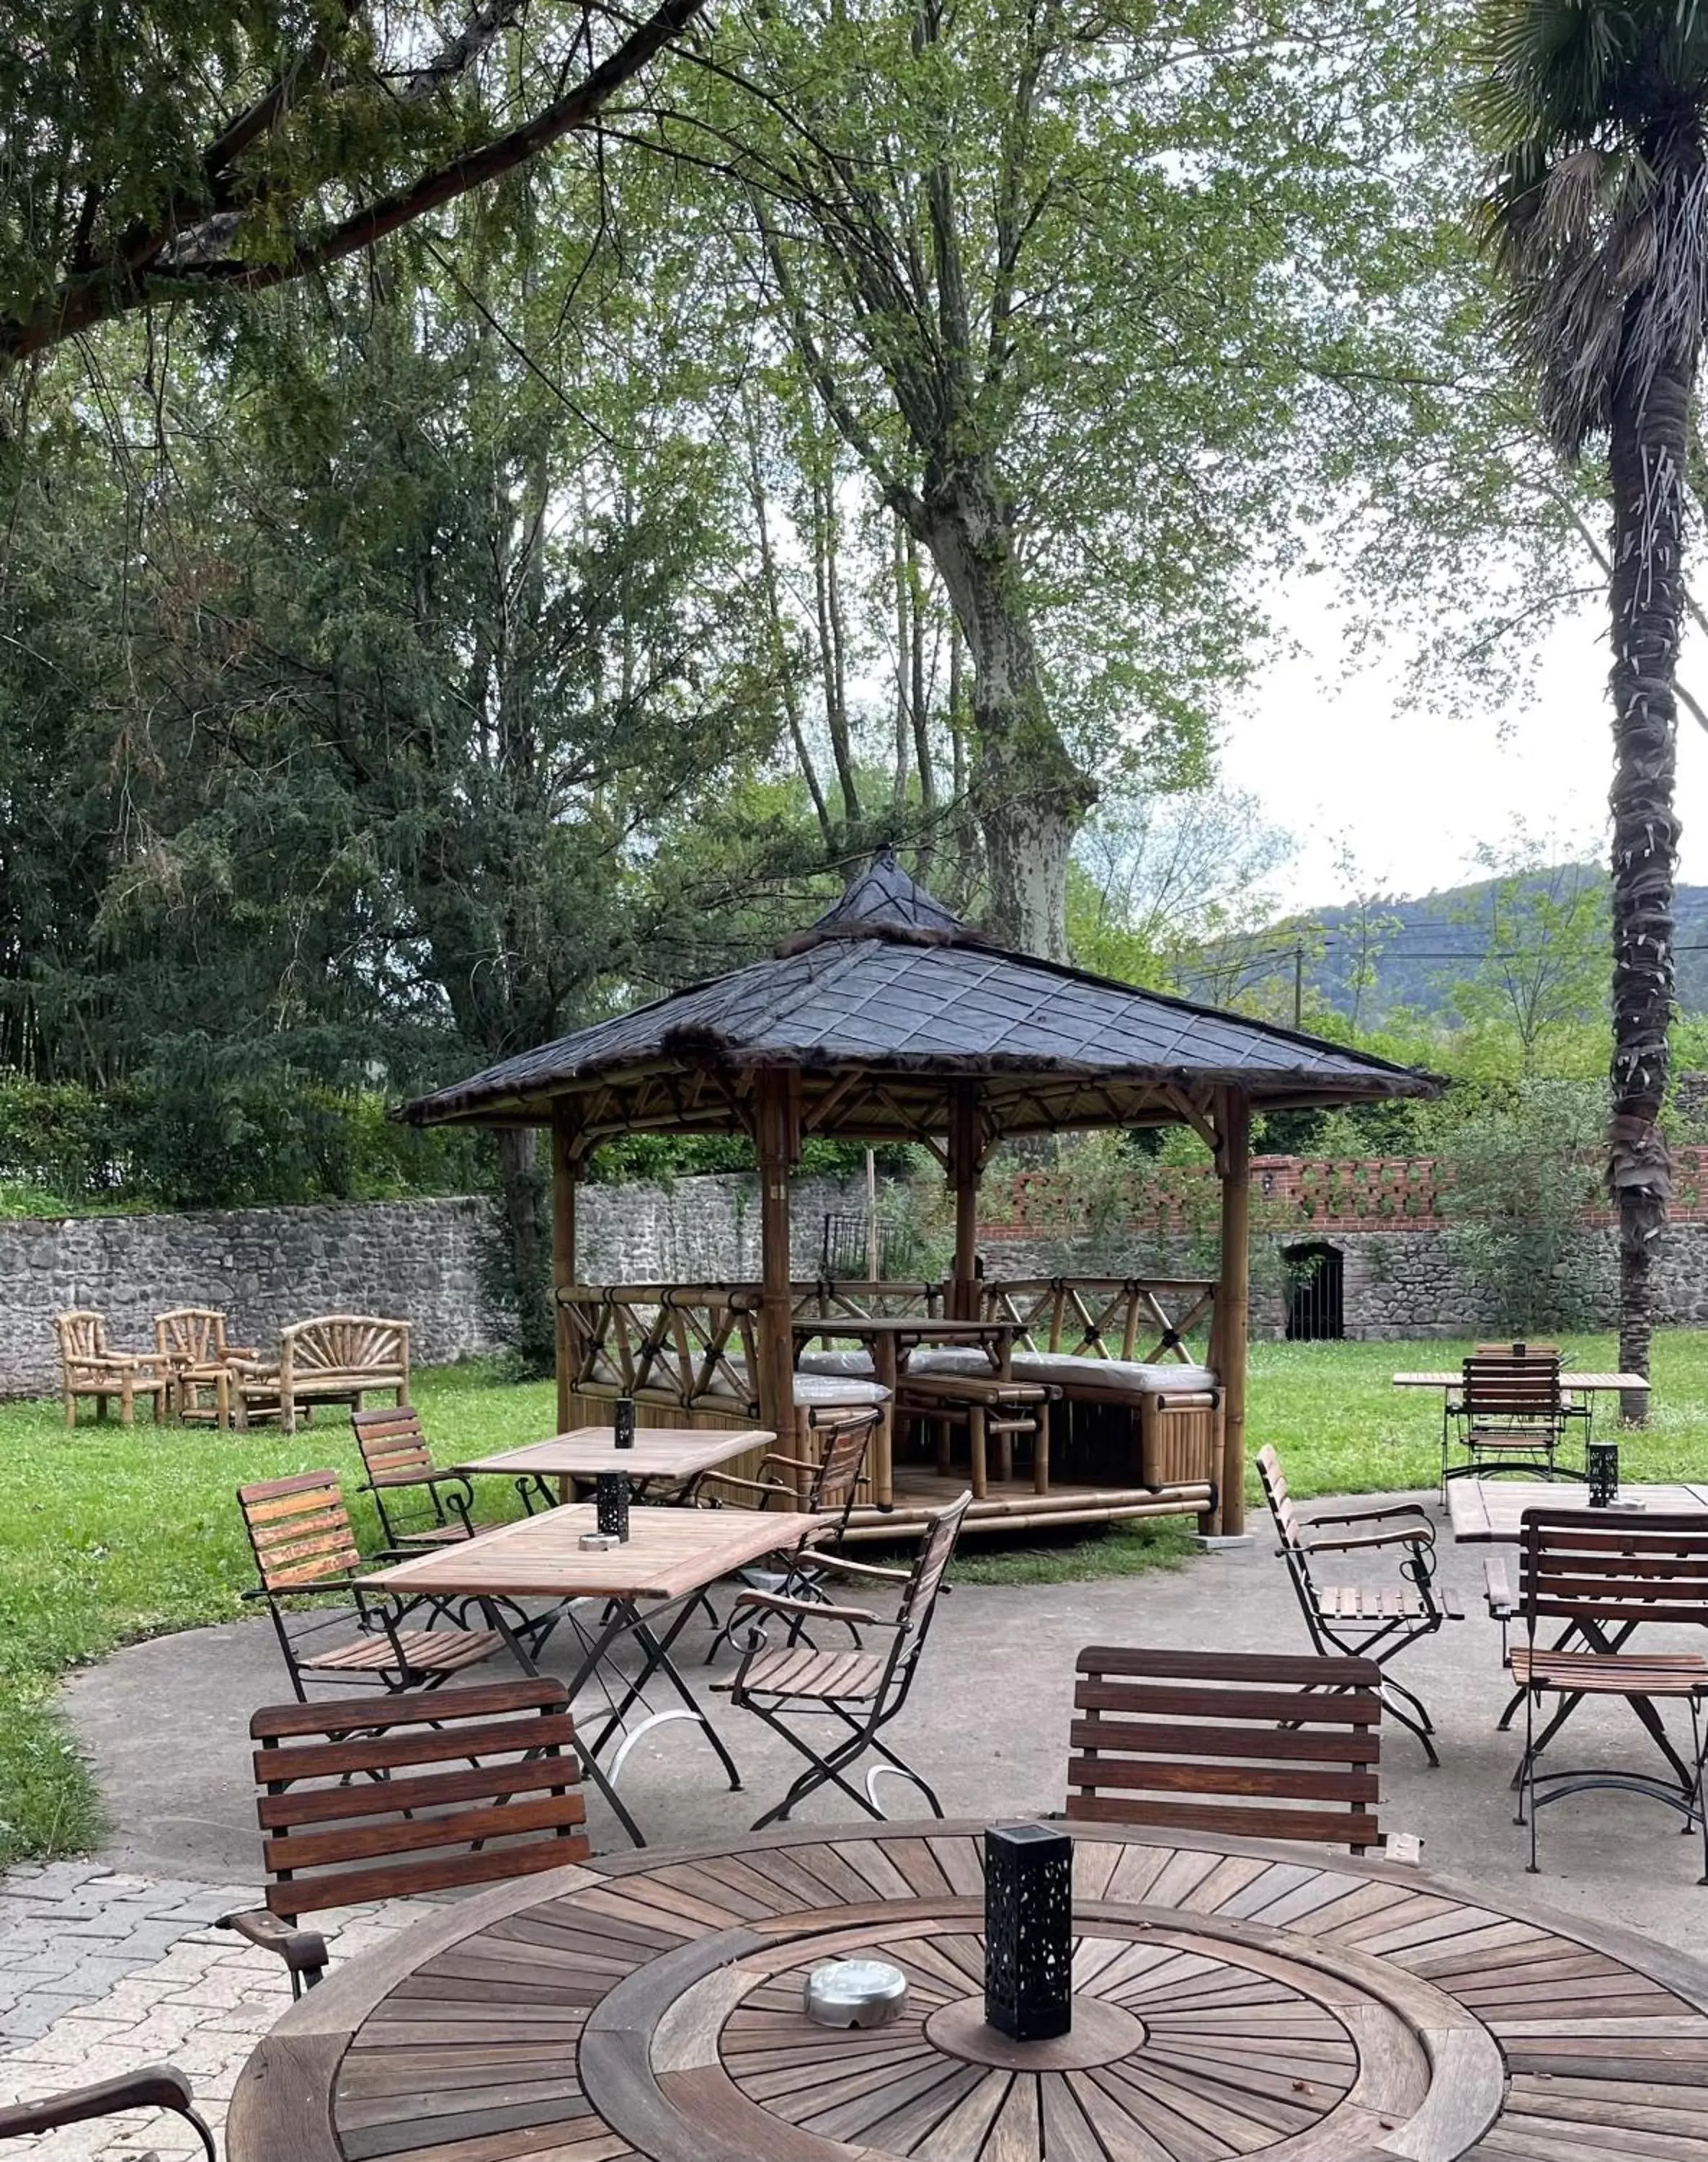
[(862, 1691), (833, 1483), (397, 1460), (154, 2087), (1510, 1415), (89, 1367), (1227, 1742), (300, 1535), (361, 1801), (191, 1343), (1605, 1577), (1351, 1621), (333, 1358)]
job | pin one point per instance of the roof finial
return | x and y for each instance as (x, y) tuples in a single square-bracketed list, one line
[(882, 901)]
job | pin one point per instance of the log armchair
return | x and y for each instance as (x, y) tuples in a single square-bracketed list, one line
[(154, 2088), (425, 1793), (189, 1342), (1370, 1621), (90, 1367)]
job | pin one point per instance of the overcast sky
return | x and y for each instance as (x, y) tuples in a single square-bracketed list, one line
[(1413, 797)]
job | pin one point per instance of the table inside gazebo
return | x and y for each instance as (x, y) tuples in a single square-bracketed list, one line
[(1229, 1999)]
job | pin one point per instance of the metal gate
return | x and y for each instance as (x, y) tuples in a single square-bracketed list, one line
[(1315, 1276)]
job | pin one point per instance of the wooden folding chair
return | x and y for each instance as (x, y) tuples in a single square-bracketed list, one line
[(1605, 1576), (154, 2088), (862, 1692), (397, 1461), (1363, 1622), (300, 1535), (423, 1793), (1227, 1742), (1510, 1415)]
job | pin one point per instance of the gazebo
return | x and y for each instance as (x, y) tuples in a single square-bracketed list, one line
[(890, 1019)]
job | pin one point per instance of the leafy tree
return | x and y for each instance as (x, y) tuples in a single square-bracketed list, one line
[(1542, 968), (1598, 208), (179, 148)]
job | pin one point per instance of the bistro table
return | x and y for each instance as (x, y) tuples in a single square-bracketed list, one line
[(1488, 1512), (648, 1588), (1230, 1999), (892, 1339), (670, 1456), (1571, 1383)]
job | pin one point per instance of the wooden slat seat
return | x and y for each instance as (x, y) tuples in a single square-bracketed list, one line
[(1227, 1742), (422, 1793), (424, 1652), (800, 1671), (1591, 1673), (1359, 1602)]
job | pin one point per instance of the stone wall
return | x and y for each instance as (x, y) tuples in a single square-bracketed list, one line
[(422, 1261)]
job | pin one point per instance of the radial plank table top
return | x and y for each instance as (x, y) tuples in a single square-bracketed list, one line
[(1231, 2000), (1490, 1511)]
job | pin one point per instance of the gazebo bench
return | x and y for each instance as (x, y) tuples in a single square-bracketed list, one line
[(1176, 1408)]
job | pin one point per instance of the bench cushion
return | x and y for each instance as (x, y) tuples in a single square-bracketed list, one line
[(1133, 1377)]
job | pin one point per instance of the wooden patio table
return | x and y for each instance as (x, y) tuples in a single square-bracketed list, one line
[(1488, 1512), (1231, 1999), (892, 1339), (1571, 1383), (669, 1455), (648, 1587)]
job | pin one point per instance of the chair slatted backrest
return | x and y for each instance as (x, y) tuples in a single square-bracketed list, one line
[(835, 1485), (919, 1599), (1228, 1743), (1282, 1505), (1500, 1390), (299, 1530), (1600, 1566), (82, 1337), (391, 1441), (194, 1334), (419, 1793)]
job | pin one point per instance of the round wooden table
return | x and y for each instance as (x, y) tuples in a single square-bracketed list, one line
[(1231, 2000)]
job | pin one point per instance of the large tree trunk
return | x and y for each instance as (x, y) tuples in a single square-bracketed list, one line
[(525, 1257), (1650, 429), (1028, 795)]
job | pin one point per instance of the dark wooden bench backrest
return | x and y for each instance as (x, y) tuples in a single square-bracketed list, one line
[(1601, 1565), (300, 1531), (1502, 1388), (391, 1440), (366, 1799), (1227, 1742)]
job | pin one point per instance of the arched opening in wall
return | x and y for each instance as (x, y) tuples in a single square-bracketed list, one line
[(1315, 1279)]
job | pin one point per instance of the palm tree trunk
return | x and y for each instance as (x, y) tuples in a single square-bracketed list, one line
[(1649, 440)]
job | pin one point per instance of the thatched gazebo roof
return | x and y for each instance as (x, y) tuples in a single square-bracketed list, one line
[(885, 1005)]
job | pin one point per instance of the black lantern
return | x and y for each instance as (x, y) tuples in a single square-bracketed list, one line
[(623, 1422), (1602, 1462), (1029, 1931), (612, 1503)]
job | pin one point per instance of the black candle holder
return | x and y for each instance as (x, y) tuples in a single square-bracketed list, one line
[(1601, 1462), (623, 1422), (1029, 1931), (611, 1503)]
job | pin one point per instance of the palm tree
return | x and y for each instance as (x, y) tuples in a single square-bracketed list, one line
[(1597, 207)]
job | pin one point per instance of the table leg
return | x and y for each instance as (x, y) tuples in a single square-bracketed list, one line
[(589, 1763), (656, 1660), (886, 1366)]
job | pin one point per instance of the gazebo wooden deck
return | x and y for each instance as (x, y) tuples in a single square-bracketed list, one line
[(889, 1020)]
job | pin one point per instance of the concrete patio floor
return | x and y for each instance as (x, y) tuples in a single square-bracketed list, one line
[(163, 1725)]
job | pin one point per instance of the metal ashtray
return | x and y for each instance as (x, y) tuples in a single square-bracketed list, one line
[(598, 1542), (855, 1993)]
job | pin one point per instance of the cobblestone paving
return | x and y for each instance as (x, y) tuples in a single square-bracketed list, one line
[(101, 1973)]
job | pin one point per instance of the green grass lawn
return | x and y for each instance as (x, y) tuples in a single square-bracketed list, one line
[(107, 1536)]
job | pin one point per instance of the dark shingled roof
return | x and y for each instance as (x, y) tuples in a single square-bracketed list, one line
[(890, 981)]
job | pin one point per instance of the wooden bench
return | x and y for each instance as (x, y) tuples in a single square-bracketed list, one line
[(333, 1359), (89, 1367)]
